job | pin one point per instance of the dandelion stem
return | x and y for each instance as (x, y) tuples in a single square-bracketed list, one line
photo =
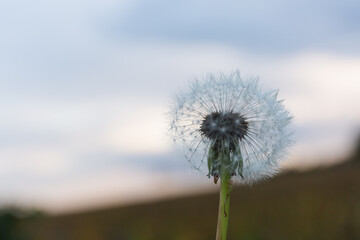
[(224, 203)]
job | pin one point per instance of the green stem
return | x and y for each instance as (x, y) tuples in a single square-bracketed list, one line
[(224, 204)]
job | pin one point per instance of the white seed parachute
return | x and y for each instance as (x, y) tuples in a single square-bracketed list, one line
[(229, 113)]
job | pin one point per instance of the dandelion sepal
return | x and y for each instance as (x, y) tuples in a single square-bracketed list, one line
[(239, 161)]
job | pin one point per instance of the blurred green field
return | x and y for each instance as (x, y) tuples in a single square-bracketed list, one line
[(321, 204)]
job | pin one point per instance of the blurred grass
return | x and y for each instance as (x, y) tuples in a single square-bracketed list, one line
[(10, 222), (321, 204)]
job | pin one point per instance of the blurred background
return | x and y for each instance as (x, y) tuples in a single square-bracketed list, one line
[(84, 88)]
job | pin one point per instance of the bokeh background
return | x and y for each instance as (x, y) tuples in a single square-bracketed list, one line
[(84, 91)]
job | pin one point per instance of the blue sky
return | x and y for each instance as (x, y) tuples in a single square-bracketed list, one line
[(84, 86)]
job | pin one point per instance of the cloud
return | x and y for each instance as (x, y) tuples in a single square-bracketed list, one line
[(46, 45), (258, 26), (102, 180)]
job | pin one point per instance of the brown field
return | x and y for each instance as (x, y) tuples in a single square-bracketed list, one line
[(320, 204)]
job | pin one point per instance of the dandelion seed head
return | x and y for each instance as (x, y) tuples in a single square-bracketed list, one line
[(228, 113)]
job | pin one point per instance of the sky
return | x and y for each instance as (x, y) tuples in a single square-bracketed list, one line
[(85, 85)]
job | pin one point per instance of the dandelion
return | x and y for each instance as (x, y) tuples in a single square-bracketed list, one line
[(232, 130)]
